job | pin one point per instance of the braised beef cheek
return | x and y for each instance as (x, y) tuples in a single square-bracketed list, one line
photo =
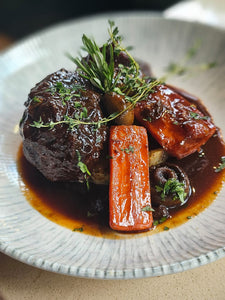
[(56, 152), (176, 124)]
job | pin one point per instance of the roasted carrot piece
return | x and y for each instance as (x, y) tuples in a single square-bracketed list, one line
[(178, 126), (129, 188)]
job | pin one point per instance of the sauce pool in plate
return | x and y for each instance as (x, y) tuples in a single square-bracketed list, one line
[(73, 206)]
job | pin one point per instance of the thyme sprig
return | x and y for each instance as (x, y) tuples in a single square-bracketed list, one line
[(183, 67), (73, 121), (116, 40), (196, 116), (99, 69), (65, 93)]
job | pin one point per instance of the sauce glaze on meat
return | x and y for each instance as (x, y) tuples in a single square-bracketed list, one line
[(55, 152)]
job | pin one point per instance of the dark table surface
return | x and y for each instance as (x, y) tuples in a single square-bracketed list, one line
[(19, 18)]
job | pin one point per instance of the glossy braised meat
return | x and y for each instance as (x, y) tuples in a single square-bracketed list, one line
[(177, 125), (56, 151)]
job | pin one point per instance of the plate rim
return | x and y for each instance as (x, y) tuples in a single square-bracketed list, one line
[(131, 13), (187, 264)]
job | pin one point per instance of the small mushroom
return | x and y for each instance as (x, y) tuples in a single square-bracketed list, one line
[(170, 185), (160, 213), (116, 103)]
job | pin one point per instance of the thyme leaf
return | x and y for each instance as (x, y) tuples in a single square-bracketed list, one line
[(160, 221), (39, 124), (65, 93), (128, 150), (80, 229), (183, 66), (196, 116), (166, 228)]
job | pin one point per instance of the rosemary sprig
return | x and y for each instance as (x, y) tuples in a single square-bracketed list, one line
[(97, 70)]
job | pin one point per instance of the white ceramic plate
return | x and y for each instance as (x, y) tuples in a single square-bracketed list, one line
[(28, 236)]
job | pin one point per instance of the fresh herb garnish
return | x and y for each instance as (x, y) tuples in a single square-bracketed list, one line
[(99, 69), (80, 229), (83, 114), (155, 223), (179, 69), (183, 66), (163, 219), (39, 124), (189, 217), (77, 104), (116, 40), (83, 168), (160, 221), (37, 99), (174, 187), (166, 228), (221, 165), (192, 51), (91, 214), (147, 208), (71, 122), (174, 68), (196, 116), (128, 150), (65, 93)]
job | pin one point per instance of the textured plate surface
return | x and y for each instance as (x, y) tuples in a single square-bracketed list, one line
[(28, 236)]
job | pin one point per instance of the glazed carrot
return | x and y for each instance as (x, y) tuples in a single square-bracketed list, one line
[(178, 126), (129, 188)]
